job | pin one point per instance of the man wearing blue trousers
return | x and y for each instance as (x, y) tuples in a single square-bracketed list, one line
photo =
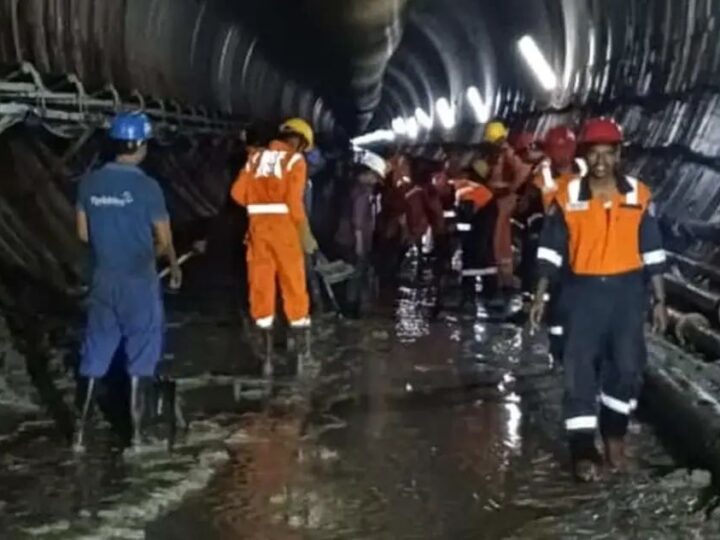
[(121, 214)]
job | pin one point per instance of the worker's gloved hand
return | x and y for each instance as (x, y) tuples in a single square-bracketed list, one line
[(176, 277), (537, 311), (309, 244)]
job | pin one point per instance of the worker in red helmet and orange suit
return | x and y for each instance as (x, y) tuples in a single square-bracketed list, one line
[(604, 228)]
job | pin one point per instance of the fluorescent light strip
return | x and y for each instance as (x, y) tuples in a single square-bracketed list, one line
[(423, 119), (537, 63), (381, 135), (412, 127), (481, 110), (446, 113)]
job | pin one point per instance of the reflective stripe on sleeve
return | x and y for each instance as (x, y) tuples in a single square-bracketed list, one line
[(550, 255), (464, 227), (532, 219), (654, 257), (616, 405), (581, 423), (449, 214), (556, 331), (293, 161), (259, 209)]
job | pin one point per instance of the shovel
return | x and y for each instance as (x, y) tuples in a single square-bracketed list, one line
[(332, 273)]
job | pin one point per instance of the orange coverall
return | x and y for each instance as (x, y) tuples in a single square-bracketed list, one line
[(508, 173), (271, 186)]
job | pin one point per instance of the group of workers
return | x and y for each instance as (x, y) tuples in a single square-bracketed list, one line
[(591, 252)]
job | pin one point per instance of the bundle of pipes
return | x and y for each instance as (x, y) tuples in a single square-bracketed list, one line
[(710, 272), (689, 296)]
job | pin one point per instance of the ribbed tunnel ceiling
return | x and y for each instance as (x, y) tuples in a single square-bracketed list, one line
[(360, 63)]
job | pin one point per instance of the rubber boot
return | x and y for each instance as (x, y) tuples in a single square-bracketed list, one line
[(138, 390), (301, 339), (267, 340), (85, 414)]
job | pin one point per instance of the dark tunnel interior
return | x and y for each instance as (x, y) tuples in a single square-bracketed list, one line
[(413, 76)]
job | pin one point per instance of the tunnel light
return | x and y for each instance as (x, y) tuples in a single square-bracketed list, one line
[(446, 112), (423, 119), (399, 126), (480, 108), (537, 62), (412, 127), (381, 135)]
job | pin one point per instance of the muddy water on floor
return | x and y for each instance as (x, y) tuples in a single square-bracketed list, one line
[(417, 428)]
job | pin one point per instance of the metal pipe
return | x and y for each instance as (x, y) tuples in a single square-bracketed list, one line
[(694, 329), (692, 297), (706, 270)]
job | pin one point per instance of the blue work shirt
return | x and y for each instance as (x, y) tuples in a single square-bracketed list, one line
[(122, 203)]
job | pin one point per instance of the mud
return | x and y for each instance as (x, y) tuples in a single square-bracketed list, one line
[(416, 427)]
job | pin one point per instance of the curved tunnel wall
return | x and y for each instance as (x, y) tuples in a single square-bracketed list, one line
[(654, 62), (195, 52)]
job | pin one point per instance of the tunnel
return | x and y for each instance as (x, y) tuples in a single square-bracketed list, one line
[(417, 420)]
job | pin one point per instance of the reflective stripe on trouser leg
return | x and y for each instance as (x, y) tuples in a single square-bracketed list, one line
[(261, 280), (622, 367), (556, 322)]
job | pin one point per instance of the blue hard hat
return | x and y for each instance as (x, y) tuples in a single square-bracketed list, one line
[(131, 127)]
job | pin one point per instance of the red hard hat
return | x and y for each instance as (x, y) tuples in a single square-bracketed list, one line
[(522, 141), (560, 145), (601, 131)]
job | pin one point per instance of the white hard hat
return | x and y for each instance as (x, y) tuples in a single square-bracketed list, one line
[(373, 162)]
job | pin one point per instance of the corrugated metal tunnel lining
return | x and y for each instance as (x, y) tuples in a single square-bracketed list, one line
[(359, 60), (351, 67)]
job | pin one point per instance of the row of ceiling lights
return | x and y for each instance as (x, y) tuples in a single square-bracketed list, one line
[(447, 112)]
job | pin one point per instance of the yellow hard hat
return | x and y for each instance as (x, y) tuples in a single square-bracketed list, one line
[(496, 132), (299, 127), (481, 168)]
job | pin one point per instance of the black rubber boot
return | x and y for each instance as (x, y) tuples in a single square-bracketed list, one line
[(139, 387), (266, 339), (85, 414)]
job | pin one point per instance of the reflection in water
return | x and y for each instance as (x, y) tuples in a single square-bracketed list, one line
[(439, 442), (416, 429), (512, 425)]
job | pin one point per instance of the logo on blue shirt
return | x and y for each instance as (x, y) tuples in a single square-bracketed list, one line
[(108, 200)]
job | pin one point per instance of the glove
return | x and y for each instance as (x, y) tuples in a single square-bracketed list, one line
[(309, 244)]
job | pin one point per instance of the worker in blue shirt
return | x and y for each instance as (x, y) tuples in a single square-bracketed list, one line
[(121, 214)]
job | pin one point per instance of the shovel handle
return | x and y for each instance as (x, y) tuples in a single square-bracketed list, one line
[(181, 260)]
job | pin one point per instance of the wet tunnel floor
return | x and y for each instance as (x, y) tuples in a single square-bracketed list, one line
[(413, 429)]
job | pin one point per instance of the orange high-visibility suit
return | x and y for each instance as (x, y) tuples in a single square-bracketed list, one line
[(271, 186), (508, 173)]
